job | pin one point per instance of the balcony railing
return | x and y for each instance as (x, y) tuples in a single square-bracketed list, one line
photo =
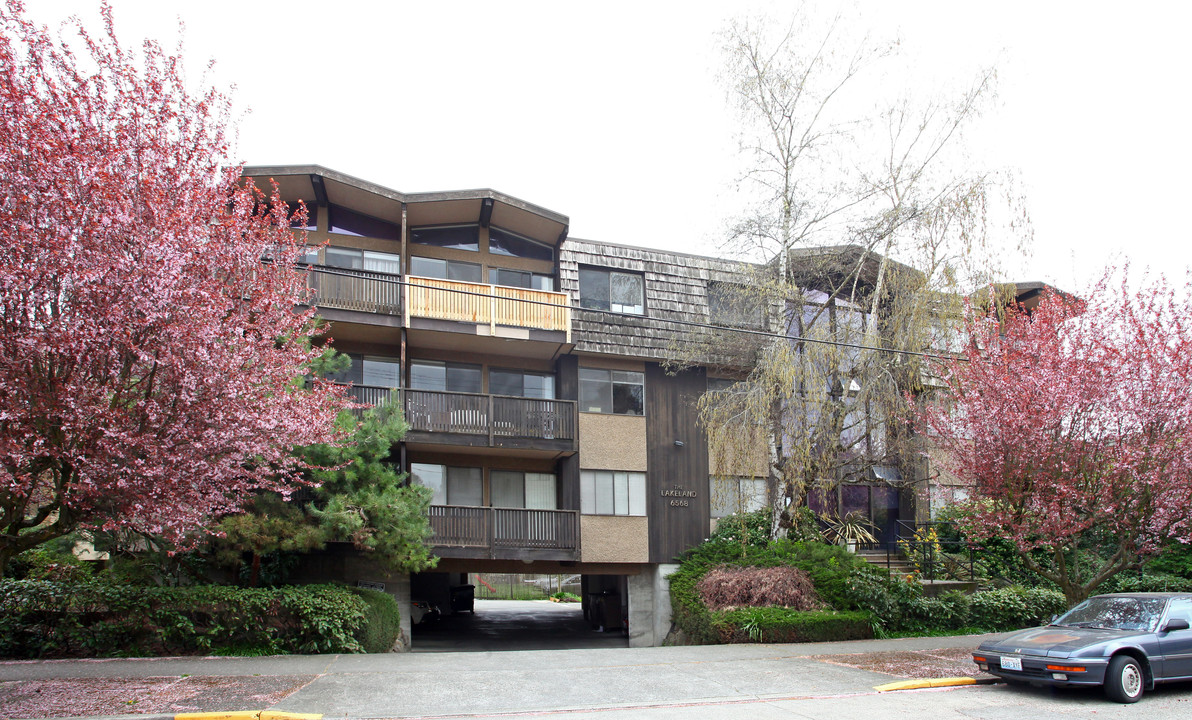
[(359, 290), (487, 304), (493, 415), (494, 529), (497, 416)]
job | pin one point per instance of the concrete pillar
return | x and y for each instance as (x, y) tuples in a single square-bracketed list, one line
[(649, 605)]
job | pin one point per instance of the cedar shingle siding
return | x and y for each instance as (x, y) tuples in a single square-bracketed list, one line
[(675, 289)]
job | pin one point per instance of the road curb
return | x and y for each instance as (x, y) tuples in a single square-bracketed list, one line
[(249, 715), (934, 683)]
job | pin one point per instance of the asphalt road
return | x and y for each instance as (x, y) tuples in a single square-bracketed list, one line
[(754, 682)]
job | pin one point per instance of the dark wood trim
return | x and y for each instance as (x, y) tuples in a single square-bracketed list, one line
[(677, 478)]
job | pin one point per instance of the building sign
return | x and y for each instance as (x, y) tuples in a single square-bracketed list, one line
[(678, 496)]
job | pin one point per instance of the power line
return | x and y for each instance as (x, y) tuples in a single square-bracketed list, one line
[(393, 280)]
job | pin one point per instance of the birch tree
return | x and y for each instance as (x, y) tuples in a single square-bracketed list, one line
[(864, 226)]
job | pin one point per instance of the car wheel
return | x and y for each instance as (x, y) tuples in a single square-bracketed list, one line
[(1124, 679)]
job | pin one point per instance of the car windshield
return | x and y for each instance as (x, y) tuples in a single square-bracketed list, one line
[(1115, 613)]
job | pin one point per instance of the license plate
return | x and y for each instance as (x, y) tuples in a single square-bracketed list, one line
[(1011, 663)]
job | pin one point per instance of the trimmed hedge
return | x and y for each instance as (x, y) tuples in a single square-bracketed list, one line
[(865, 599), (784, 625), (91, 619), (382, 624), (832, 570)]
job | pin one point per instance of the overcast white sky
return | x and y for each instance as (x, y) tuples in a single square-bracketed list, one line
[(610, 112)]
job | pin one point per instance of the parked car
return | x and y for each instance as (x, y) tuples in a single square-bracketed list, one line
[(1126, 642), (422, 611)]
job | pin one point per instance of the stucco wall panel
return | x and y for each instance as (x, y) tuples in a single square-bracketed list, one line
[(608, 538), (612, 442)]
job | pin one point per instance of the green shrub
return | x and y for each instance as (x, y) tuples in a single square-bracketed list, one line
[(382, 621), (1147, 582), (751, 529), (842, 580), (1015, 607), (784, 625), (42, 618)]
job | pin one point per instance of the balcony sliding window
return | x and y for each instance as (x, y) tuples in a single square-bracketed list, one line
[(451, 485), (445, 269), (503, 242), (620, 392), (453, 237), (370, 370), (607, 492), (444, 376), (520, 278), (612, 290), (342, 221), (530, 490), (355, 259), (520, 383)]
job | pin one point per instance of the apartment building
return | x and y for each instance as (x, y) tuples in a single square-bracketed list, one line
[(535, 374)]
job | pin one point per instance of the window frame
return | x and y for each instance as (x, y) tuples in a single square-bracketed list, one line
[(604, 302), (625, 490), (611, 396)]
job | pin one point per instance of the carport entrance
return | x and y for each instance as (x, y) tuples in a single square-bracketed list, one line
[(514, 625)]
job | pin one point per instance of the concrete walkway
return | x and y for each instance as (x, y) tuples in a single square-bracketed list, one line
[(454, 684)]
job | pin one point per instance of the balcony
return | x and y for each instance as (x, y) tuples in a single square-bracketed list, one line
[(355, 290), (492, 305), (504, 533), (490, 420), (481, 420)]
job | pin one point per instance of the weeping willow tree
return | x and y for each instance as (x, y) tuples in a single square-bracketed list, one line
[(865, 228)]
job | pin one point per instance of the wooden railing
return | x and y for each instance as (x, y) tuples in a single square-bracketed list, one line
[(487, 527), (492, 415), (360, 290), (486, 304), (371, 394)]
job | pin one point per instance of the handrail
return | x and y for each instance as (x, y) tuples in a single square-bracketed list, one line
[(483, 304), (929, 553)]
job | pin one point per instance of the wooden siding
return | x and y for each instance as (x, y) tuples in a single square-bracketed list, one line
[(677, 474), (676, 288)]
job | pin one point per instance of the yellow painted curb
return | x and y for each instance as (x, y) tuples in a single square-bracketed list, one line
[(249, 715), (926, 683)]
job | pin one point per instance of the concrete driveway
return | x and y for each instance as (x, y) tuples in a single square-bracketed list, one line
[(499, 625)]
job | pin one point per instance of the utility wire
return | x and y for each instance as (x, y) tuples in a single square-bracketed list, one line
[(380, 277)]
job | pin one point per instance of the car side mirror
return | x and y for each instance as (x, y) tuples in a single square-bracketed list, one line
[(1175, 624), (1053, 619)]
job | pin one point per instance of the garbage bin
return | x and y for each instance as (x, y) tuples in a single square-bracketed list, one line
[(463, 597)]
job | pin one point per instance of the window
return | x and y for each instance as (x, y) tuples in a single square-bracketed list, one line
[(454, 237), (370, 370), (503, 242), (445, 269), (312, 218), (620, 392), (451, 377), (355, 259), (310, 255), (520, 383), (530, 490), (342, 221), (619, 292), (520, 278), (608, 492), (735, 306), (731, 495), (451, 485)]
